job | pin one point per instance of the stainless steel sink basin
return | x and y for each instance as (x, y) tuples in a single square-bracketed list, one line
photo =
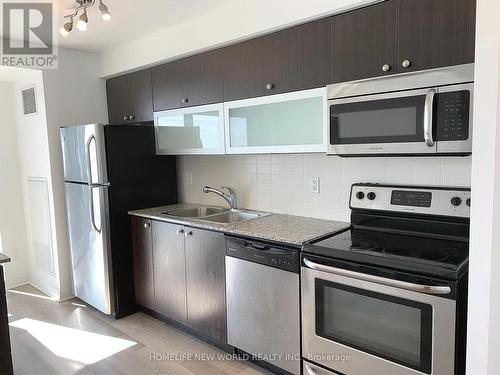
[(233, 216), (196, 212), (215, 214)]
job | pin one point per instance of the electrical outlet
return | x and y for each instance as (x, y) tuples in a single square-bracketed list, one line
[(189, 178), (314, 183)]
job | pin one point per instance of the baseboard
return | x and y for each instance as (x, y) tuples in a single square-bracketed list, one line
[(64, 299), (7, 287)]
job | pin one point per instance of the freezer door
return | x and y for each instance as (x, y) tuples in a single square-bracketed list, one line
[(89, 243), (84, 154)]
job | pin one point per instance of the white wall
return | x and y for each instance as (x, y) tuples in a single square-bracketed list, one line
[(35, 164), (13, 238), (234, 21), (281, 183), (74, 95), (483, 347)]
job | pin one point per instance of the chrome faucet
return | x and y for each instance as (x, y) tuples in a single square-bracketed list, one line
[(230, 198)]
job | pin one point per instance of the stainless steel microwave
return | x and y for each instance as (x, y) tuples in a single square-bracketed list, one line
[(419, 113)]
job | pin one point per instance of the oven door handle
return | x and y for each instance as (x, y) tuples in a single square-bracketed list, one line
[(428, 289), (428, 117)]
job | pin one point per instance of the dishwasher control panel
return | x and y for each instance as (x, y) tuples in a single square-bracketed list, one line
[(262, 253)]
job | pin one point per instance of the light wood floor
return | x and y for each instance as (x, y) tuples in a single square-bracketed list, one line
[(81, 337)]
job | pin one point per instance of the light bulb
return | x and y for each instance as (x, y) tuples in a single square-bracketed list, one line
[(82, 22), (81, 25), (63, 32), (106, 16)]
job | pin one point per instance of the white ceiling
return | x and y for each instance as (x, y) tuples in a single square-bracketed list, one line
[(131, 19)]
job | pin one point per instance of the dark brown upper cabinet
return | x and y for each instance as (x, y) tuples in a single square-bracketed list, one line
[(289, 60), (398, 36), (435, 33), (191, 81), (364, 42), (130, 98)]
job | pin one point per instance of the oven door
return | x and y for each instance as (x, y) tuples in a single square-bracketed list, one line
[(391, 123), (356, 324)]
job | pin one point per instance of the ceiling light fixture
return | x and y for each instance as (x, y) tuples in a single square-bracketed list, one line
[(83, 19), (106, 16), (66, 29)]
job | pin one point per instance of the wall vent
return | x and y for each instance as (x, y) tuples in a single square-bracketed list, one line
[(29, 101)]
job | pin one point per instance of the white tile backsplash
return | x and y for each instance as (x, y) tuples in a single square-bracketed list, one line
[(280, 183)]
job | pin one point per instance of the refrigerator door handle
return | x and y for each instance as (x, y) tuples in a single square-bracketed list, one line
[(92, 210), (89, 158)]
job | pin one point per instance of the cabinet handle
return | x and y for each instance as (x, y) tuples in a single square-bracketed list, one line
[(131, 117), (269, 86), (406, 63), (180, 231), (386, 67), (188, 233), (147, 225), (184, 100)]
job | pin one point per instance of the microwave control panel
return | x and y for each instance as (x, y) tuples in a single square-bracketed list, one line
[(453, 115)]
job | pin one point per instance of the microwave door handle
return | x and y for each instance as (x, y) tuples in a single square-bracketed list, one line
[(428, 289), (428, 116)]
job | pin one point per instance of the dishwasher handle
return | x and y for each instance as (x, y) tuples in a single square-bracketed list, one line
[(278, 257), (257, 247)]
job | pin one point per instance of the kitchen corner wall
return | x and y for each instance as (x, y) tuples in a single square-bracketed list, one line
[(13, 236), (281, 183)]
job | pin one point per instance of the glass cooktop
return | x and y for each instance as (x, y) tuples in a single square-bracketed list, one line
[(412, 253)]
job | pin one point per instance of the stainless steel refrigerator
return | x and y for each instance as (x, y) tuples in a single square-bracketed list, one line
[(109, 170)]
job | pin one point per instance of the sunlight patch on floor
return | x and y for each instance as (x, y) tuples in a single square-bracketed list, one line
[(74, 344)]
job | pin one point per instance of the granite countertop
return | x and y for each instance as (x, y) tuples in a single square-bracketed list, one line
[(286, 229), (4, 258)]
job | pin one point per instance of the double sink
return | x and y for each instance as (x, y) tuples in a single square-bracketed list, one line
[(215, 214)]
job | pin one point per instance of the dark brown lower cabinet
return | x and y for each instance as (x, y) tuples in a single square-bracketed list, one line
[(206, 283), (142, 245), (169, 270), (179, 272)]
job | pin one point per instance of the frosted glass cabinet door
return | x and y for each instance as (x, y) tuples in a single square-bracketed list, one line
[(194, 130), (292, 122)]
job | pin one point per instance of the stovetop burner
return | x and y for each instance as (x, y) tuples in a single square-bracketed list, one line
[(417, 253), (359, 245)]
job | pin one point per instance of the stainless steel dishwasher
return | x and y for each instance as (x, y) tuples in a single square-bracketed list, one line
[(263, 311)]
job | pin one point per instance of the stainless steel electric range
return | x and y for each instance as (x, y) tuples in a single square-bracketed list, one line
[(389, 295)]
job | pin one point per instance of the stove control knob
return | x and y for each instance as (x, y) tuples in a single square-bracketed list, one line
[(456, 201), (360, 195), (467, 202), (371, 195)]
